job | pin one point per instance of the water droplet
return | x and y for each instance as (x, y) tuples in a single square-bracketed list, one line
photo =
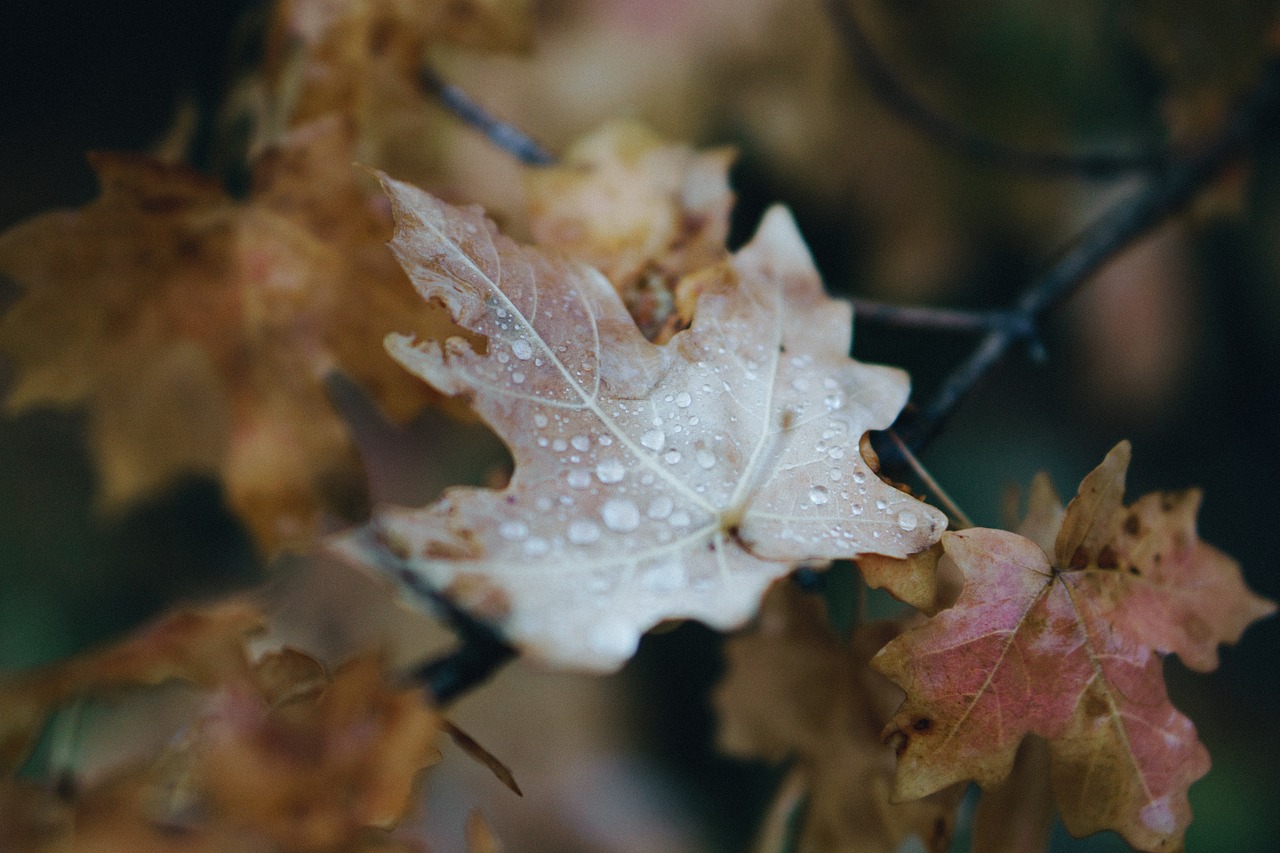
[(667, 576), (706, 459), (660, 507), (578, 479), (836, 453), (513, 530), (819, 495), (684, 400), (543, 503), (583, 532), (653, 439), (539, 420), (542, 441), (859, 477), (610, 471), (536, 547), (605, 440), (881, 505), (836, 475), (620, 515), (856, 509), (613, 640), (503, 358), (559, 445), (522, 349), (833, 401), (671, 456), (694, 421), (907, 520), (679, 518), (580, 442), (517, 378)]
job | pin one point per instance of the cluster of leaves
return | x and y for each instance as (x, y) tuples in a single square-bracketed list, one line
[(687, 427)]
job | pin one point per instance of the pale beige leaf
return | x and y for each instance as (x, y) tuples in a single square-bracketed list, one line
[(651, 482)]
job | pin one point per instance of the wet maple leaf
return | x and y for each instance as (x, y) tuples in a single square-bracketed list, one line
[(197, 330), (794, 688), (1067, 644), (651, 482), (642, 212)]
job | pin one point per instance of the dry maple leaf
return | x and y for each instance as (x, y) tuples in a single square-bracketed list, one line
[(642, 212), (197, 330), (201, 645), (314, 769), (794, 688), (1068, 645), (651, 482)]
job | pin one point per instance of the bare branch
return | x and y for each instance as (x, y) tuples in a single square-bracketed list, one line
[(942, 319), (895, 97), (506, 136), (1254, 119)]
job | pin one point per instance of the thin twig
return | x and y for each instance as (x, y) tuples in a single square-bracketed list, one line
[(890, 91), (506, 136), (933, 485), (1255, 117), (942, 319)]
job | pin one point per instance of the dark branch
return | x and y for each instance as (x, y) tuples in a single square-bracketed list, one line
[(894, 96), (482, 652), (1253, 119), (942, 319), (506, 136)]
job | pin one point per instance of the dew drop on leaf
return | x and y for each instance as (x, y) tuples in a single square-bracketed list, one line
[(907, 520), (660, 508), (522, 349), (653, 439), (583, 532), (819, 495), (620, 515), (610, 471)]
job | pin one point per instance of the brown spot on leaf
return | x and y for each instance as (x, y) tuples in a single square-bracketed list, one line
[(922, 725), (1107, 558), (1079, 559), (1131, 524)]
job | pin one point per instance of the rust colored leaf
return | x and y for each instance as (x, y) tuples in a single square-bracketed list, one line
[(201, 645), (196, 330), (1071, 650), (795, 689), (651, 482), (642, 212), (314, 772)]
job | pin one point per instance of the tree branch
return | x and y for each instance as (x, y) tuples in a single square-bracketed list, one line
[(890, 91), (1252, 120), (508, 137), (482, 652), (942, 319)]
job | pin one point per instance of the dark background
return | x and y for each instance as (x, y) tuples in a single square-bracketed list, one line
[(80, 76)]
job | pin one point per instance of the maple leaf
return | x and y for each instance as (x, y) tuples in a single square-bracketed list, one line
[(201, 645), (197, 330), (1067, 644), (651, 482), (795, 688), (642, 212), (312, 765)]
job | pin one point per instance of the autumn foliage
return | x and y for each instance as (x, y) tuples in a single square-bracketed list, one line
[(686, 426)]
